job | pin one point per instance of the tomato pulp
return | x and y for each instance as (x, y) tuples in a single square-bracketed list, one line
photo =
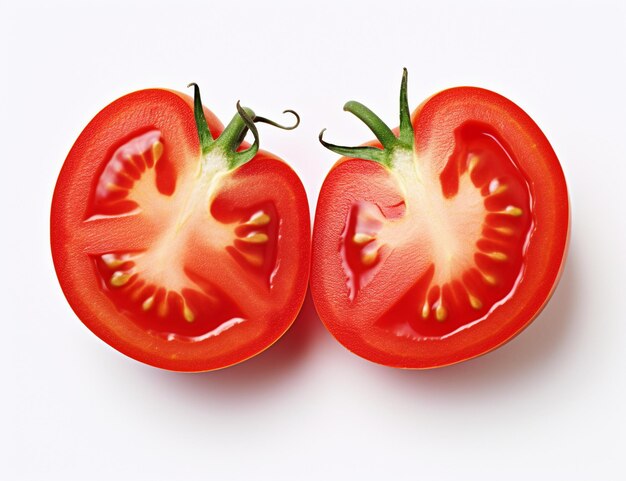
[(443, 239), (172, 241)]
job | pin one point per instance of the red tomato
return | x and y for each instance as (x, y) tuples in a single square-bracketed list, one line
[(443, 239), (172, 243)]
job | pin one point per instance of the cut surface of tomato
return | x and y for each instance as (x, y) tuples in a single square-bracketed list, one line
[(443, 239), (172, 244)]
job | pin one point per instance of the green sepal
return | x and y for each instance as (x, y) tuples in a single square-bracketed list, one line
[(204, 134), (383, 133), (233, 135)]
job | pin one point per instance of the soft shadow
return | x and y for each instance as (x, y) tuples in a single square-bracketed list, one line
[(529, 354), (260, 373)]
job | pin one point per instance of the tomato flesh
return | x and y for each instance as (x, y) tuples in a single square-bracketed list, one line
[(451, 248), (174, 259)]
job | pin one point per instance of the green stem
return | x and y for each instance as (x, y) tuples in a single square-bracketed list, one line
[(233, 135), (383, 133)]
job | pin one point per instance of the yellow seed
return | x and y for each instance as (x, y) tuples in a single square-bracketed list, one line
[(514, 211), (157, 150), (253, 259), (256, 238), (495, 187), (504, 230), (475, 302), (441, 312), (188, 313), (112, 260), (369, 257), (362, 238), (498, 256), (147, 304), (489, 279), (425, 310), (259, 218), (472, 163), (112, 186), (119, 278)]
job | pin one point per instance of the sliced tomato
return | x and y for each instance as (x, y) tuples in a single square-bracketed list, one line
[(443, 239), (172, 245)]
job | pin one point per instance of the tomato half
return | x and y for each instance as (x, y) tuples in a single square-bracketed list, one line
[(172, 242), (443, 239)]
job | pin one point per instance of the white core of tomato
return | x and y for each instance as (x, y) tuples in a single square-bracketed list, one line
[(448, 227), (178, 216)]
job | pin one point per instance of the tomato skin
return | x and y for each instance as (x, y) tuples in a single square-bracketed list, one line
[(172, 113), (354, 323)]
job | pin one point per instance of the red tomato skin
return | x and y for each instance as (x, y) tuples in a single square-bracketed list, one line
[(546, 254), (171, 112)]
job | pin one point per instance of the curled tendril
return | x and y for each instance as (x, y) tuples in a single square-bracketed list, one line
[(245, 155), (275, 124), (248, 121)]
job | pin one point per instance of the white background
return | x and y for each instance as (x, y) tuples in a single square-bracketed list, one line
[(549, 405)]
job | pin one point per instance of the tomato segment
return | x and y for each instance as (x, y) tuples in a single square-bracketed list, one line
[(157, 286), (131, 176), (180, 257), (477, 224), (188, 313), (438, 227)]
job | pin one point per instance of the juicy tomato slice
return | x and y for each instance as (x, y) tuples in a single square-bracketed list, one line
[(453, 248), (166, 255)]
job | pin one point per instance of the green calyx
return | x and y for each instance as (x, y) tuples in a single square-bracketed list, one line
[(233, 135), (389, 141)]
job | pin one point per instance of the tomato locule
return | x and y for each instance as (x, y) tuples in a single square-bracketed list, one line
[(173, 240), (442, 239)]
